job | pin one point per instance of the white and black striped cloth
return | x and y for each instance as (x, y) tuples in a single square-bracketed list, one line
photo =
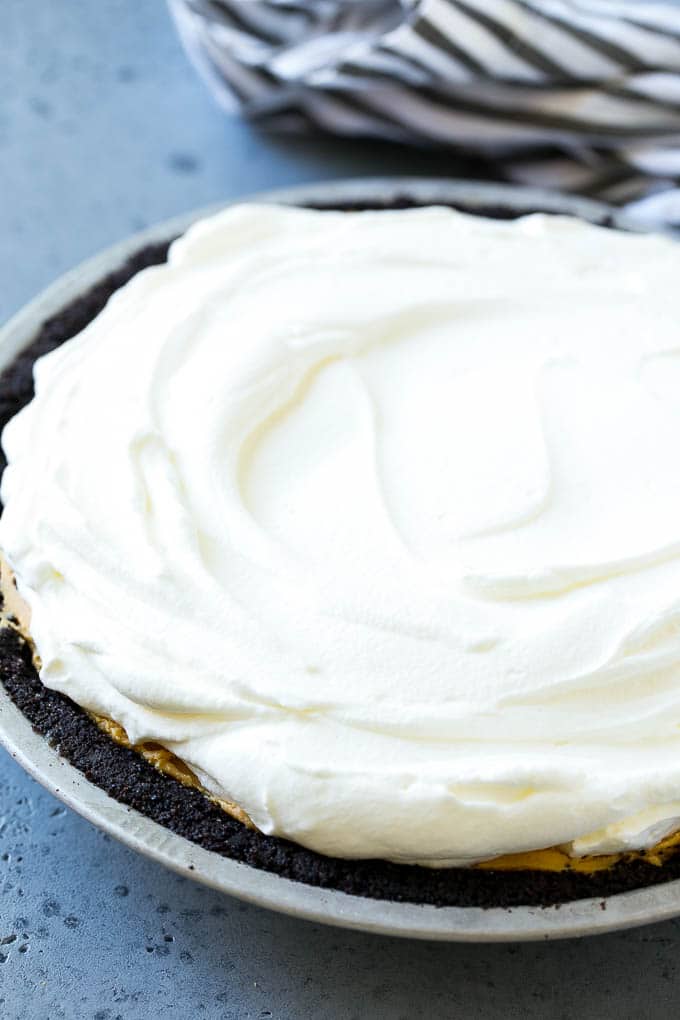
[(581, 95)]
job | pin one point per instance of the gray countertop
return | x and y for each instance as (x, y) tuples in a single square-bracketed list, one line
[(104, 129)]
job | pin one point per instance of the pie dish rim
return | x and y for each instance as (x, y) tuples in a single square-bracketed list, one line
[(33, 752)]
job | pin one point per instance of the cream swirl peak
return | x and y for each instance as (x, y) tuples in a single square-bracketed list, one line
[(374, 520)]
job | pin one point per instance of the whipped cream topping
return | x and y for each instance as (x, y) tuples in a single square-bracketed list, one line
[(374, 520)]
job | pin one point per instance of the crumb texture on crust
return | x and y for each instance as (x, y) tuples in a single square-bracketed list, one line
[(174, 800), (170, 765), (127, 777)]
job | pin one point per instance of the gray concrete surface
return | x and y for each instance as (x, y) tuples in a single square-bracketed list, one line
[(104, 128)]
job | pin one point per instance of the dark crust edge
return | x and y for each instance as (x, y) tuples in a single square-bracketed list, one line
[(127, 777)]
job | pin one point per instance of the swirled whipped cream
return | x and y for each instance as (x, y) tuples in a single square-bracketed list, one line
[(374, 520)]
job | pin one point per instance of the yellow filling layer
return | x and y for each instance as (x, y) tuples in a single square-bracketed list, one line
[(168, 763), (550, 859)]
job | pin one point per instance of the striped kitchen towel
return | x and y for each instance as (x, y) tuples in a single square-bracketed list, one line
[(582, 95)]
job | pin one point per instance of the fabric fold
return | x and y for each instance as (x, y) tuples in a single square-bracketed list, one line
[(582, 96)]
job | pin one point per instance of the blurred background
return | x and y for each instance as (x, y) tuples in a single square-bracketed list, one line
[(105, 128)]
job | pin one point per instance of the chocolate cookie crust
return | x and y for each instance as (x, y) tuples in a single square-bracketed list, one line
[(127, 777)]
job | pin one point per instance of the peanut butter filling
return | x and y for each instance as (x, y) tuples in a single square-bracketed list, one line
[(16, 614)]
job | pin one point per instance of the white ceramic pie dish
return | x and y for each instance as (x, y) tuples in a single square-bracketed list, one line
[(43, 763)]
